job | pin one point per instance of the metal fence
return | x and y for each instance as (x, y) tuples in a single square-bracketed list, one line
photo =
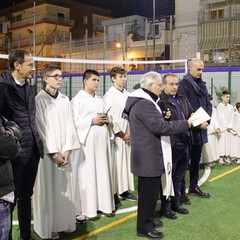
[(216, 79)]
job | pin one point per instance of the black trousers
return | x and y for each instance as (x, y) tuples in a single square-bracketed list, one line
[(179, 167), (24, 172), (196, 152), (180, 163), (148, 193)]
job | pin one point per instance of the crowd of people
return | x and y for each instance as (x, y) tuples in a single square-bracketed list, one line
[(223, 133), (79, 157)]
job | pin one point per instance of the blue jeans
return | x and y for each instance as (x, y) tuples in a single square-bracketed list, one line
[(5, 222)]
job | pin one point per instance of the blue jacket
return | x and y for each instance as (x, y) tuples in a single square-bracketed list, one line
[(197, 94)]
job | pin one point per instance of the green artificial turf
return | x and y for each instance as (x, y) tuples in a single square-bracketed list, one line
[(216, 218)]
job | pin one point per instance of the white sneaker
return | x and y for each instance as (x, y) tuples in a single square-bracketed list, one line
[(227, 161), (221, 161), (238, 160), (81, 219)]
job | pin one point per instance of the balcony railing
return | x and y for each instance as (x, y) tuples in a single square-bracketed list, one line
[(42, 18), (97, 28), (39, 40)]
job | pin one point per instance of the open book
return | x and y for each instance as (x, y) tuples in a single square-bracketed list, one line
[(199, 117)]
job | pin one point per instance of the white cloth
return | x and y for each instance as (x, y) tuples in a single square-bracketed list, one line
[(123, 178), (8, 197), (225, 118), (53, 198), (235, 149), (93, 164), (210, 149), (166, 178)]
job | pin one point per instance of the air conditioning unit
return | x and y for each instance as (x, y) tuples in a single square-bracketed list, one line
[(158, 30)]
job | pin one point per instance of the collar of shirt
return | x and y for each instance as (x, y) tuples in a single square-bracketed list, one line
[(18, 83), (121, 90)]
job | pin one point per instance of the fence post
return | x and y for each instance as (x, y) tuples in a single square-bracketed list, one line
[(229, 80)]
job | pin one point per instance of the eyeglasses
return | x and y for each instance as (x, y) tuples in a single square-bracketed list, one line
[(56, 76), (200, 69)]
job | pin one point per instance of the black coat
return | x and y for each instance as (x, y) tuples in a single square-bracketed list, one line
[(22, 111), (147, 125), (197, 95), (9, 149), (165, 103)]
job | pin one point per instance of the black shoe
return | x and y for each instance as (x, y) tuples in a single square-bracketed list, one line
[(198, 192), (185, 199), (168, 213), (157, 223), (117, 201), (152, 235), (180, 209), (128, 196)]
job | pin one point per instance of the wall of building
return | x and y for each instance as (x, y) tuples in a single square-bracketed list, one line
[(186, 27)]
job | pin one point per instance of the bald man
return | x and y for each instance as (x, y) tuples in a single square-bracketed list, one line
[(194, 88)]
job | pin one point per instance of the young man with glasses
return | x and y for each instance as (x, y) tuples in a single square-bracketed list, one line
[(53, 200), (17, 103), (194, 88)]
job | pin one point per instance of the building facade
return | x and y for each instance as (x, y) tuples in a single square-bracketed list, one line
[(37, 27)]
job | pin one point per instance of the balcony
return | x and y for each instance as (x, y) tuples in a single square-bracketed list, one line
[(97, 28), (39, 40), (42, 18)]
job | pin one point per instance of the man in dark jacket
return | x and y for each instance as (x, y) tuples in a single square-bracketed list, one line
[(147, 125), (17, 103), (194, 88), (9, 149), (180, 109)]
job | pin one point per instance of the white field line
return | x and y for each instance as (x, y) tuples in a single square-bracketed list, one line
[(134, 208)]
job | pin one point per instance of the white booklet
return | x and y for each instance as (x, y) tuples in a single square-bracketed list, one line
[(199, 117)]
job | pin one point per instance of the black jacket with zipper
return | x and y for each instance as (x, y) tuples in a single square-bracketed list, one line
[(22, 111)]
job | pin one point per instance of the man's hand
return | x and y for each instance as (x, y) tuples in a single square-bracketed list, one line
[(126, 138), (204, 125), (57, 158), (100, 119), (217, 131), (167, 114), (65, 156)]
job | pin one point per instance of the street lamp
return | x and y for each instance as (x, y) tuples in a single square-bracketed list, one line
[(118, 45)]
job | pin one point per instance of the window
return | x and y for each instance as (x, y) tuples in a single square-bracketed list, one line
[(18, 17), (60, 15), (157, 30), (221, 13), (216, 14)]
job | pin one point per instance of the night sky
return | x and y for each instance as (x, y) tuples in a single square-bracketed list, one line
[(121, 8)]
